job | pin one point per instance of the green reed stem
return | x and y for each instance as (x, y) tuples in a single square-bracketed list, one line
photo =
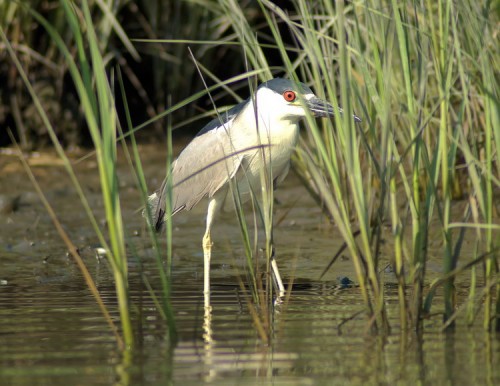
[(105, 143)]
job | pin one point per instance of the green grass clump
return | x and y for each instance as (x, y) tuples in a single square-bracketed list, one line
[(89, 74), (422, 77)]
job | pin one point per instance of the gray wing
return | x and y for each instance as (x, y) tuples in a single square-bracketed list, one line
[(223, 119), (202, 168)]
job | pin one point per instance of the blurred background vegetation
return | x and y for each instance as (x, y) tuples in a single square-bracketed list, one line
[(155, 74)]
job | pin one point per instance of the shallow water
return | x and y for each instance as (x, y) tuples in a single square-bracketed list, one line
[(52, 331)]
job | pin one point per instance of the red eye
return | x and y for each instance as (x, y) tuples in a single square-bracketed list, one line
[(289, 95)]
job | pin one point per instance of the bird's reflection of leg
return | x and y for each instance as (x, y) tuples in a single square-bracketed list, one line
[(208, 343)]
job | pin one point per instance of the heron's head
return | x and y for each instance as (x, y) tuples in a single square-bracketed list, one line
[(290, 100)]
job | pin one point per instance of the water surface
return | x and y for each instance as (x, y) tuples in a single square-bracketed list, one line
[(52, 331)]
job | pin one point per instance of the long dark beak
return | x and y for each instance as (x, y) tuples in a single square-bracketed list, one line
[(321, 108)]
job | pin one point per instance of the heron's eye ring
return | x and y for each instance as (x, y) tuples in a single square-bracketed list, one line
[(289, 95)]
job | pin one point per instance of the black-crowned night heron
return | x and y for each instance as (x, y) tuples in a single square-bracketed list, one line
[(256, 136)]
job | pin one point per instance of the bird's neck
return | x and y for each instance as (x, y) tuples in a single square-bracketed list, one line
[(270, 127)]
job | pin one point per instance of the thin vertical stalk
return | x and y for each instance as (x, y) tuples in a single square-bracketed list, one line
[(106, 160), (164, 306), (398, 253)]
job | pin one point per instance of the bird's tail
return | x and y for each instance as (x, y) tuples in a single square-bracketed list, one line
[(156, 210)]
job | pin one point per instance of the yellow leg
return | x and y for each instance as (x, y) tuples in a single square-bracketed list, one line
[(276, 272), (207, 320), (207, 254), (207, 248)]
